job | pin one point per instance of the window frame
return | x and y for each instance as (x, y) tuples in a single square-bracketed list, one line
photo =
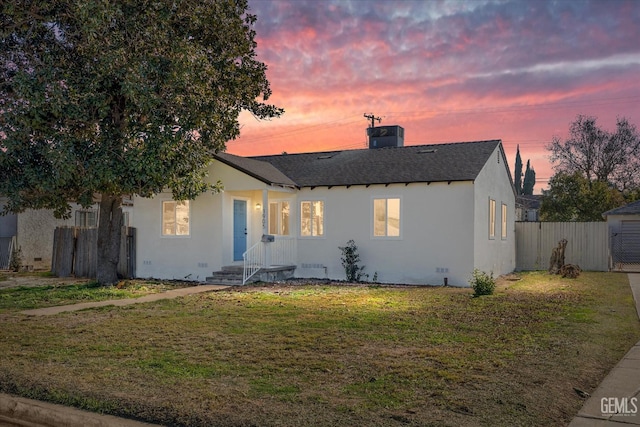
[(492, 219), (278, 217), (84, 215), (386, 199), (313, 215), (503, 221), (175, 219)]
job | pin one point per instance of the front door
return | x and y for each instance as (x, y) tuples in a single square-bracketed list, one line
[(239, 229)]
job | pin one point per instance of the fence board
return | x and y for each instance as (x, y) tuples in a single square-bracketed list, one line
[(63, 251), (75, 252), (588, 244)]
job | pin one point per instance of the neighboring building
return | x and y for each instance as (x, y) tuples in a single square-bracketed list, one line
[(624, 231), (418, 215), (528, 207), (8, 228), (34, 230)]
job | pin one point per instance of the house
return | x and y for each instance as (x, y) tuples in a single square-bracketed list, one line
[(8, 226), (33, 231), (528, 207), (425, 214), (624, 232)]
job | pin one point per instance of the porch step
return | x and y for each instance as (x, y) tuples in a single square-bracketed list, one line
[(229, 275)]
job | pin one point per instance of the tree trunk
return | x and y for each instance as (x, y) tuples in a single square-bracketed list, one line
[(109, 230), (557, 257)]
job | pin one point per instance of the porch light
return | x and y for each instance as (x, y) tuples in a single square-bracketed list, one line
[(258, 206)]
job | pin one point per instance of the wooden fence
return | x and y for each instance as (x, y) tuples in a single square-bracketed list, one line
[(588, 244), (75, 252)]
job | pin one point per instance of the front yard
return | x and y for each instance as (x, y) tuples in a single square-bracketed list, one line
[(292, 355)]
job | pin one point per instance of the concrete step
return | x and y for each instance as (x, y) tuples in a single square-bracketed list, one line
[(228, 275)]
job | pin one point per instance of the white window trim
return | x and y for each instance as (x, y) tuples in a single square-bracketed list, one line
[(324, 218), (279, 202), (174, 236), (492, 219), (372, 219), (504, 225)]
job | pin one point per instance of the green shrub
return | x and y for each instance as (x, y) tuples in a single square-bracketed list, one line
[(482, 283), (16, 260), (350, 259)]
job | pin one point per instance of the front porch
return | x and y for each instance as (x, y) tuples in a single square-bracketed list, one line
[(234, 275)]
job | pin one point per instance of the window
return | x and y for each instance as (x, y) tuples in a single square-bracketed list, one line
[(312, 218), (86, 218), (504, 221), (175, 218), (386, 217), (279, 218), (492, 219)]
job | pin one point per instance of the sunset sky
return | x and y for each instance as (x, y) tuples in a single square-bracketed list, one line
[(520, 71)]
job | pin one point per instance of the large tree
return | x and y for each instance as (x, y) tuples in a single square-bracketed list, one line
[(574, 198), (600, 155), (517, 175), (529, 180), (102, 99)]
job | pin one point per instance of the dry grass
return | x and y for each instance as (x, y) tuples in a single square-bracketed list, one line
[(332, 355)]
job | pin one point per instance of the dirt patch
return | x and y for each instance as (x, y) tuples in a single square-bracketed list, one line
[(12, 280)]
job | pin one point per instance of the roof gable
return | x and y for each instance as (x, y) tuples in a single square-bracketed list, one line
[(262, 171)]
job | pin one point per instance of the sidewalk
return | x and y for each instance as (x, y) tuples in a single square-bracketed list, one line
[(126, 301), (616, 401)]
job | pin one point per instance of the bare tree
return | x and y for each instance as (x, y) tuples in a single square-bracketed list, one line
[(599, 155)]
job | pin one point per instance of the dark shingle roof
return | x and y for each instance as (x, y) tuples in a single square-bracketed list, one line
[(391, 165), (418, 163), (632, 208), (262, 171)]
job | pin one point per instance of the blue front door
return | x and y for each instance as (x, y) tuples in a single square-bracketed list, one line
[(239, 229)]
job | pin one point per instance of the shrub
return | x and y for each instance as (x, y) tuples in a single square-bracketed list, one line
[(16, 260), (482, 283), (350, 259)]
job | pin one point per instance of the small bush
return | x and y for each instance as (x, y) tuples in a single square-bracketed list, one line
[(482, 283), (16, 260), (350, 259)]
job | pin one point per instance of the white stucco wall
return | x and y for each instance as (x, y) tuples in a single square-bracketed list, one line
[(436, 233), (209, 246), (496, 255)]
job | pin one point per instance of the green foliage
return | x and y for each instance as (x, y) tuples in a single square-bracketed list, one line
[(529, 180), (599, 155), (15, 263), (574, 198), (518, 172), (350, 259), (122, 98), (482, 283)]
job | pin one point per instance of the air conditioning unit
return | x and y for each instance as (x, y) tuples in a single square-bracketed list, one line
[(385, 136)]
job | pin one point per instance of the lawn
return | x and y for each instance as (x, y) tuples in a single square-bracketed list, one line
[(291, 355), (55, 294)]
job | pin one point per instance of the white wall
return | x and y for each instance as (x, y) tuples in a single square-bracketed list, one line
[(496, 255), (436, 233)]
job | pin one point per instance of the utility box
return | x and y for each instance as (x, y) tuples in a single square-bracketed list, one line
[(385, 136)]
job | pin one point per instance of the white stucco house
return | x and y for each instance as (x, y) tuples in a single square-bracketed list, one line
[(418, 215)]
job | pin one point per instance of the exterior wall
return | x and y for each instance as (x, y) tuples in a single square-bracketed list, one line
[(615, 221), (35, 235), (436, 233), (209, 246), (191, 257), (496, 255)]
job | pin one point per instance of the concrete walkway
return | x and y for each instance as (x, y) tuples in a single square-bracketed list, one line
[(616, 401), (126, 301)]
